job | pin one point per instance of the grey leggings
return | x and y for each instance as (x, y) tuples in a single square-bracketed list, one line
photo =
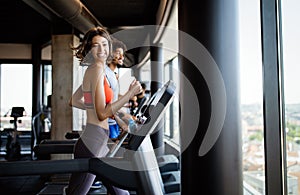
[(92, 143)]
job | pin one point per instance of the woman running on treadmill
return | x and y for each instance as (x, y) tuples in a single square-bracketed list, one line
[(95, 96)]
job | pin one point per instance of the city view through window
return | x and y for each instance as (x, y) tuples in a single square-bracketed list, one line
[(252, 94)]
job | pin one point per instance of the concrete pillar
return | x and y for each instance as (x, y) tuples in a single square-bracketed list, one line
[(62, 74), (213, 24)]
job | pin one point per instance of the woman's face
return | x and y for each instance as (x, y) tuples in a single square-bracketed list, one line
[(100, 48)]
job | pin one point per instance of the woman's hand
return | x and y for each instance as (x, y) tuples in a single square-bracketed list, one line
[(135, 87)]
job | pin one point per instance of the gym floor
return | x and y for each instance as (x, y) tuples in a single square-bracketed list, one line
[(21, 185)]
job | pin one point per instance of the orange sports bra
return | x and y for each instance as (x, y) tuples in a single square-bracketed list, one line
[(88, 99), (109, 94)]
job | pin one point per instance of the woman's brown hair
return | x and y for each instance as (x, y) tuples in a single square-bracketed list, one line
[(85, 46)]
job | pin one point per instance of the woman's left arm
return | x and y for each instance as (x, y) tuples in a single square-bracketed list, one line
[(122, 124)]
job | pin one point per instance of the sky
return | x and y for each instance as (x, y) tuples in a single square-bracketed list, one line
[(250, 51), (291, 49)]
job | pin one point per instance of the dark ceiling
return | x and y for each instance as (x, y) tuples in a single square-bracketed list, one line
[(21, 24), (34, 21), (114, 13), (30, 21)]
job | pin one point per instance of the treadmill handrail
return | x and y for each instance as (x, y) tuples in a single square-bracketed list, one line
[(106, 167), (43, 167), (54, 149)]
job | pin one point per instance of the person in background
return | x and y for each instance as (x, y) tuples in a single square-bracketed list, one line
[(95, 96), (133, 105), (136, 103), (141, 99), (118, 59)]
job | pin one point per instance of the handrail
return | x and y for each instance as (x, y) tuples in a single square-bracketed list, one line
[(33, 127)]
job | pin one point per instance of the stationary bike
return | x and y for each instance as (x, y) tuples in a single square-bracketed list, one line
[(13, 147)]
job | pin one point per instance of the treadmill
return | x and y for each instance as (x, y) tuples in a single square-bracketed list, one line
[(137, 171)]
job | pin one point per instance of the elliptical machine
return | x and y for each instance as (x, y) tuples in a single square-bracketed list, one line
[(13, 147)]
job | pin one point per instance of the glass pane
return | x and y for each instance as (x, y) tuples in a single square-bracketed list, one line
[(172, 113), (168, 116), (47, 85), (79, 116), (291, 51), (125, 78), (16, 91), (251, 97)]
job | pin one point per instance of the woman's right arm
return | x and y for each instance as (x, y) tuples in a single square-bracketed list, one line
[(77, 99)]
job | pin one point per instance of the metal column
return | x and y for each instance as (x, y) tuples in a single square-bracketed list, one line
[(157, 70), (273, 105), (213, 24)]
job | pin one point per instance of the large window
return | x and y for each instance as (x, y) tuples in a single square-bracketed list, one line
[(291, 51), (16, 91), (251, 97), (281, 111)]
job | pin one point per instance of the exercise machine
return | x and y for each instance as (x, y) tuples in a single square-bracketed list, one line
[(138, 170), (13, 147)]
